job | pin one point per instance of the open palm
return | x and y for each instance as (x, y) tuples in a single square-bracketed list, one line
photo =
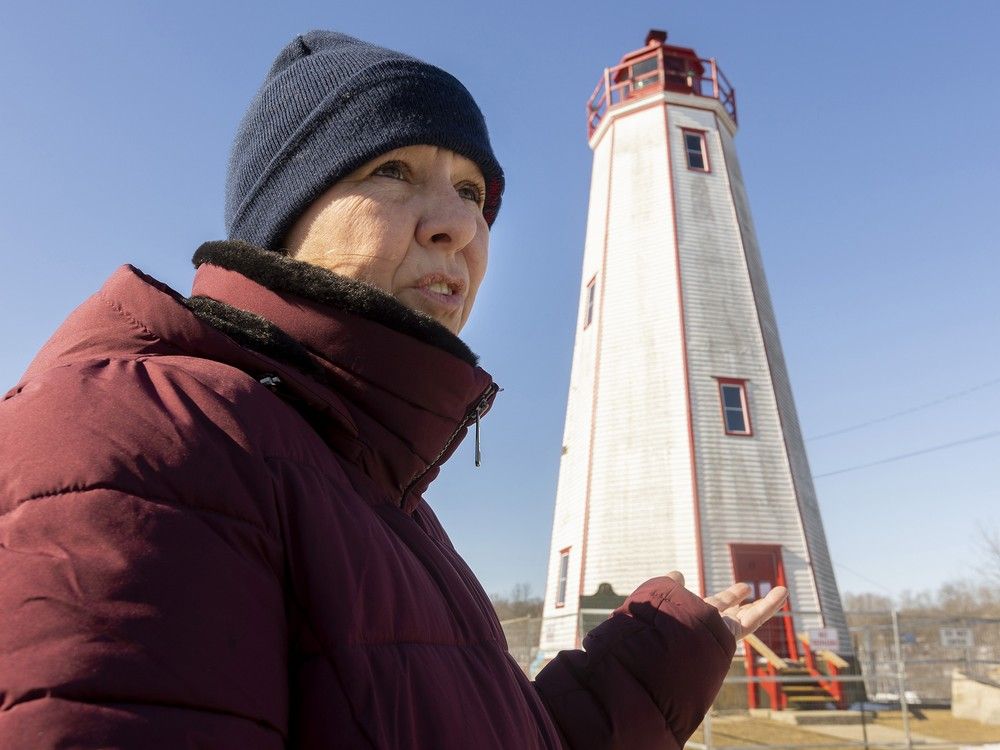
[(742, 619)]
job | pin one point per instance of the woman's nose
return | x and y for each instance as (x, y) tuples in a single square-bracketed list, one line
[(448, 222)]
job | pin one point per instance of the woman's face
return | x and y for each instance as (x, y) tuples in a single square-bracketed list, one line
[(411, 223)]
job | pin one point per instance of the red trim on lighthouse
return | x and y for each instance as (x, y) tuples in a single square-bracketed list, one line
[(638, 108), (658, 102), (741, 383), (781, 421), (687, 375), (674, 68), (597, 377), (563, 577), (703, 136), (738, 551)]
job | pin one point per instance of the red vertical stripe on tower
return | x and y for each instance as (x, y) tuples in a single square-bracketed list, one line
[(687, 376)]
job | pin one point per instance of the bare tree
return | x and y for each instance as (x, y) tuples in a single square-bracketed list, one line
[(965, 597), (518, 603), (866, 601), (989, 544), (952, 598)]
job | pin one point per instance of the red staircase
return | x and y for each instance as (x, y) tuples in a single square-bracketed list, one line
[(818, 691)]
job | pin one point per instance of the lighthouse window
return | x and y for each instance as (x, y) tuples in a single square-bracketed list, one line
[(589, 314), (563, 573), (641, 71), (644, 66), (735, 413), (694, 147)]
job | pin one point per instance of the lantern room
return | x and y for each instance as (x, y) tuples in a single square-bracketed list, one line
[(659, 67)]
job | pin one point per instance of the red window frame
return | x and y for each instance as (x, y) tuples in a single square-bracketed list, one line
[(703, 136), (741, 383), (589, 301), (562, 577)]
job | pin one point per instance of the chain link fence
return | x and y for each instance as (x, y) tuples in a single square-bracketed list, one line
[(902, 665), (931, 648), (523, 635)]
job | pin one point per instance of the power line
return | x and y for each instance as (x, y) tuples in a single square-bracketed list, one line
[(911, 454), (863, 577), (910, 410)]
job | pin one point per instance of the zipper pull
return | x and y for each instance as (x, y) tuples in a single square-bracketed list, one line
[(479, 453), (481, 407), (270, 381)]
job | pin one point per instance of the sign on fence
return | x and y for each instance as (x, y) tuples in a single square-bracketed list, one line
[(956, 637), (824, 639)]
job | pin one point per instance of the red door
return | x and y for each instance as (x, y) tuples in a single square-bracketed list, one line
[(759, 565)]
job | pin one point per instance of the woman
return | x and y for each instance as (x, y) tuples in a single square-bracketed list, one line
[(212, 529)]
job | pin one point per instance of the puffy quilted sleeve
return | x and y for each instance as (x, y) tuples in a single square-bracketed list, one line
[(141, 600), (646, 676)]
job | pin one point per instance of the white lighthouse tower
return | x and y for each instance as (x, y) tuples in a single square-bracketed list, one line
[(682, 448)]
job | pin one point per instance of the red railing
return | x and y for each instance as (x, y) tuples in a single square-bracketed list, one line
[(658, 70), (774, 674), (833, 687)]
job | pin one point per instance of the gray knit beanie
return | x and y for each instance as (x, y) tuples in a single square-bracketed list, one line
[(329, 104)]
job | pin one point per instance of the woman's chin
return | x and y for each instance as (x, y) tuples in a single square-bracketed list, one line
[(445, 309)]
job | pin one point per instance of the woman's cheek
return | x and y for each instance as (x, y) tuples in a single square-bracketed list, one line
[(478, 272)]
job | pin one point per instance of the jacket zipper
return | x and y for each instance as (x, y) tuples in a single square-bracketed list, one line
[(472, 416)]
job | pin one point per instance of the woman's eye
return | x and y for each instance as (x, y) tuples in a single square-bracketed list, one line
[(394, 169), (471, 192)]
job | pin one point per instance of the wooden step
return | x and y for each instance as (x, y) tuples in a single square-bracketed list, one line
[(810, 699)]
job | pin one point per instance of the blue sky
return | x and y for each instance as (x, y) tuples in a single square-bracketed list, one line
[(867, 140)]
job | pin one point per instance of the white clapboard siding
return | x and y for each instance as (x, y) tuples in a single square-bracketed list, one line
[(648, 479), (817, 558)]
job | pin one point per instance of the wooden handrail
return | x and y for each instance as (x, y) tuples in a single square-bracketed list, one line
[(828, 656), (764, 650), (831, 658)]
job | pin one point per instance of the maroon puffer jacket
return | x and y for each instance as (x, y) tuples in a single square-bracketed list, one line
[(217, 540)]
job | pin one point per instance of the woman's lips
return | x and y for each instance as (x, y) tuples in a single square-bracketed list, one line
[(438, 303), (440, 295)]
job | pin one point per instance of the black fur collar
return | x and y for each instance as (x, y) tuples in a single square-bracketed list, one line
[(284, 274)]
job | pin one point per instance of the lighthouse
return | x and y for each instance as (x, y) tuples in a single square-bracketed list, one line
[(682, 448)]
